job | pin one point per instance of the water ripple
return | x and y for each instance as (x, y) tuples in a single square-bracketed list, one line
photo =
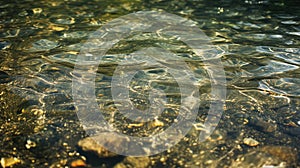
[(283, 86), (290, 55)]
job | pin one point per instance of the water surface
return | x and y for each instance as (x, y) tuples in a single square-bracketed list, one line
[(259, 48)]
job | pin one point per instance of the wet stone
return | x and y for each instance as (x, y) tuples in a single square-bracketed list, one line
[(37, 10), (90, 145), (294, 131), (78, 163), (262, 125), (9, 162), (250, 142), (57, 28)]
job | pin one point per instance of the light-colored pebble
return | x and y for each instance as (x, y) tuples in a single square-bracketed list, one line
[(9, 162), (89, 144), (37, 10), (78, 163), (30, 144), (250, 142)]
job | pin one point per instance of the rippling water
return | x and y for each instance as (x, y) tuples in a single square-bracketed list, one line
[(258, 43)]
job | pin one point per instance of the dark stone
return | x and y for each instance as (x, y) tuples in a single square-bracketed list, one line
[(294, 131), (262, 125), (4, 77)]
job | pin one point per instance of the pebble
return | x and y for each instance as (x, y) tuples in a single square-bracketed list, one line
[(9, 162), (30, 144), (135, 125), (112, 141), (262, 125), (78, 163), (90, 145), (291, 124), (250, 142), (37, 10), (294, 131), (157, 123), (57, 28)]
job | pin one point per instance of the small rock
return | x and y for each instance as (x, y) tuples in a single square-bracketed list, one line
[(37, 10), (250, 142), (262, 125), (30, 144), (57, 28), (294, 131), (78, 163), (113, 142), (157, 123), (8, 162), (90, 145), (291, 124)]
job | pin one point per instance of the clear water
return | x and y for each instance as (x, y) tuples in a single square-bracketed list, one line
[(259, 46)]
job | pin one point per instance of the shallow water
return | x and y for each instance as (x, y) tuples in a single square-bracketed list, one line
[(257, 42)]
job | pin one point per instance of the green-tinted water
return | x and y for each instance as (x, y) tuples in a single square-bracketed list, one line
[(258, 43)]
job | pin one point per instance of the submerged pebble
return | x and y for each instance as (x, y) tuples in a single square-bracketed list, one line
[(9, 162), (78, 163), (262, 125), (90, 145), (57, 28), (37, 10), (250, 142), (294, 131)]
